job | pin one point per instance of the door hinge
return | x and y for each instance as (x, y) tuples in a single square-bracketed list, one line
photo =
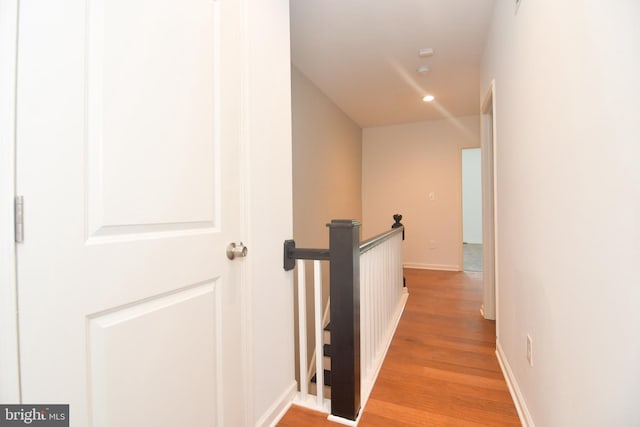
[(19, 219)]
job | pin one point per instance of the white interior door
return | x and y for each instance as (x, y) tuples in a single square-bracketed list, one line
[(128, 126)]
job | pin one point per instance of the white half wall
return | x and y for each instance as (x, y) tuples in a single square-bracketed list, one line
[(415, 169), (568, 205), (471, 196)]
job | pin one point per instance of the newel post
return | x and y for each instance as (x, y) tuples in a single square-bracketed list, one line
[(397, 218), (344, 247)]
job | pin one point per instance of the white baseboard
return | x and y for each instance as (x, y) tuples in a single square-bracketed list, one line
[(344, 421), (276, 411), (514, 389), (443, 267)]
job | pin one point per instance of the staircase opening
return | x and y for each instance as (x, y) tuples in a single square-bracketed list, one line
[(367, 295)]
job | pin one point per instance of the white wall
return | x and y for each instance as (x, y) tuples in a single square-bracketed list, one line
[(327, 174), (270, 215), (471, 196), (327, 164), (401, 166), (568, 206)]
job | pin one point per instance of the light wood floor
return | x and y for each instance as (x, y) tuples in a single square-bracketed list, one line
[(441, 368)]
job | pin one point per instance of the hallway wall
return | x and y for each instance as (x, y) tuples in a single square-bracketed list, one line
[(327, 164), (269, 215), (401, 166), (327, 171), (568, 206)]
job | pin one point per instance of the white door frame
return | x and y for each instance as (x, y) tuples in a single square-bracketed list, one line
[(489, 204), (9, 350)]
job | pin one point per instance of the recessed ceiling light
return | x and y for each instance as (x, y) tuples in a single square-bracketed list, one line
[(423, 69), (428, 98)]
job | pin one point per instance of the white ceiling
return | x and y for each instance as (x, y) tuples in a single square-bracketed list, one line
[(363, 54)]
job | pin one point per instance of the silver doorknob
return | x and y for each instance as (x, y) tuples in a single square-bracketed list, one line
[(236, 250)]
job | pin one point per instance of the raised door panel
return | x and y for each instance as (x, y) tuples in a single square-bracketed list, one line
[(152, 116), (155, 363)]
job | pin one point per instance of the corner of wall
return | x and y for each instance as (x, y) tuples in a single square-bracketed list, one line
[(279, 408), (514, 388)]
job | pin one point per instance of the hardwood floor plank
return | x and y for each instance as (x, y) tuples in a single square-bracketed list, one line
[(378, 414), (441, 368), (298, 417)]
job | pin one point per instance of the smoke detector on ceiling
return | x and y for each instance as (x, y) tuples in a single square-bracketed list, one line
[(425, 52)]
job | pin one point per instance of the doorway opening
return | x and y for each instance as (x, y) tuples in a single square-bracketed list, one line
[(471, 209)]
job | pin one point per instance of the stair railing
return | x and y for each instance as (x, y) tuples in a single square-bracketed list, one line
[(363, 312), (382, 300)]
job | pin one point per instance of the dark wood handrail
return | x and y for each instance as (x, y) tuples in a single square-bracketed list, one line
[(291, 253)]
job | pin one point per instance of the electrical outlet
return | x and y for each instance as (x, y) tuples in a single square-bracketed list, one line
[(529, 350)]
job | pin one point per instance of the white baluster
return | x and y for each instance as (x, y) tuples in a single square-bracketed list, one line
[(317, 291), (302, 329)]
